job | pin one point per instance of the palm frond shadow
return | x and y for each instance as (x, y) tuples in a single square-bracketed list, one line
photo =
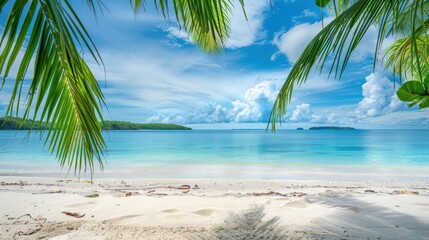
[(361, 218), (247, 225)]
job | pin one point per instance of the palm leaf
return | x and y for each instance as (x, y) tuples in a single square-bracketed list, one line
[(399, 58), (63, 90), (337, 41), (206, 21)]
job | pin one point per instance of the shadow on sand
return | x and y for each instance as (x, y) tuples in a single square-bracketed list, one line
[(349, 217), (249, 225), (354, 218)]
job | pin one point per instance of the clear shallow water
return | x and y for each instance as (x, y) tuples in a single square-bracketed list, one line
[(227, 153)]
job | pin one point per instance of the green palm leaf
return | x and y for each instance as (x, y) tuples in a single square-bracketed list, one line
[(206, 21), (63, 90), (400, 56), (337, 41)]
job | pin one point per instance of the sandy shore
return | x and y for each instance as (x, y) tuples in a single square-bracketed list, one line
[(37, 208)]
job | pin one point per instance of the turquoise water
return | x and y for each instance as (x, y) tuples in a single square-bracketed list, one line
[(150, 153)]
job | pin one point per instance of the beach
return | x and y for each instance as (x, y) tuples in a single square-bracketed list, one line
[(223, 184), (52, 208), (214, 120)]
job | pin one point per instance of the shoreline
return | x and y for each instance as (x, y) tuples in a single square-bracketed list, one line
[(236, 172), (212, 209)]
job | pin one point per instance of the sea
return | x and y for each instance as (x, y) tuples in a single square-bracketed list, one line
[(386, 155)]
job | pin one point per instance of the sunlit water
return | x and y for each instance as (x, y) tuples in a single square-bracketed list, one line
[(238, 154)]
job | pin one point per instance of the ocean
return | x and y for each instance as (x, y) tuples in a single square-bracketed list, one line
[(286, 154)]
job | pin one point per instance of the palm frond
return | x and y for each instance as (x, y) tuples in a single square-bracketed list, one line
[(63, 90), (398, 58), (207, 22), (338, 40)]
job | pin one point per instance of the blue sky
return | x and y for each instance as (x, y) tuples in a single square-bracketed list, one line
[(155, 74)]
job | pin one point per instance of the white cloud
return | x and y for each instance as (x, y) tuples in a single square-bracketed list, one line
[(245, 33), (367, 45), (294, 41), (175, 33), (209, 114), (254, 106), (264, 91), (302, 113), (239, 102), (242, 112), (399, 119), (379, 97), (257, 103), (379, 107), (309, 13)]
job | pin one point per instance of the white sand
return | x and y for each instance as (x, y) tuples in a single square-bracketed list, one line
[(213, 209)]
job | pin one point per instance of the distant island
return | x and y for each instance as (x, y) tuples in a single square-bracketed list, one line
[(121, 125), (300, 129), (331, 128), (12, 123)]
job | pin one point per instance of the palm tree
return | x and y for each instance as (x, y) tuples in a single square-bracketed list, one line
[(405, 20), (48, 36)]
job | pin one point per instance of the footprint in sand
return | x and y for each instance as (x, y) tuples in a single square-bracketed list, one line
[(126, 219), (283, 199), (172, 210), (276, 202), (298, 204), (84, 205), (205, 212)]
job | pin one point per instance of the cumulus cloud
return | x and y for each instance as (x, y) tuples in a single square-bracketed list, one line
[(243, 32), (379, 97), (257, 102), (302, 113), (378, 100), (211, 113), (254, 106), (379, 107)]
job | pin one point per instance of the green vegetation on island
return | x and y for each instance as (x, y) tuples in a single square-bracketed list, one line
[(12, 123), (122, 125), (331, 128)]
